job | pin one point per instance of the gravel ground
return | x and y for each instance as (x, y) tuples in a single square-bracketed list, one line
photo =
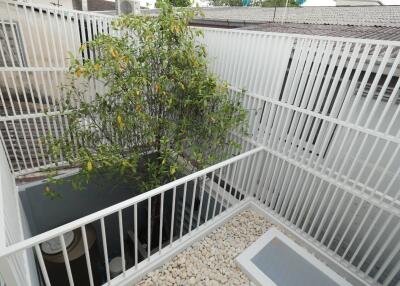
[(211, 261)]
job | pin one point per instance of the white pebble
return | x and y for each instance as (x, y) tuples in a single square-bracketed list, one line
[(211, 260)]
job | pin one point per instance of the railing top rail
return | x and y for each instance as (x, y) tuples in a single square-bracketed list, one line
[(303, 36), (30, 242), (56, 9)]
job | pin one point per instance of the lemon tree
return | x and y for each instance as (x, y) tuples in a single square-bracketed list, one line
[(160, 112)]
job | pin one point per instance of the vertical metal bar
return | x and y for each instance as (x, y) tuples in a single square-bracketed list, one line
[(105, 250), (219, 52), (217, 193), (210, 195), (148, 228), (183, 209), (256, 65), (367, 234), (42, 265), (382, 248), (279, 183), (299, 202), (273, 188), (224, 188), (231, 184), (395, 270), (254, 173), (263, 133), (172, 216), (235, 180), (263, 176), (284, 191), (244, 60), (316, 196), (87, 255), (121, 240), (225, 60), (201, 200), (292, 203), (311, 193), (321, 210), (161, 222), (388, 105), (349, 224), (135, 226), (388, 260), (66, 260), (81, 23), (341, 195), (338, 207), (237, 63), (192, 205), (270, 184), (247, 175), (290, 193), (272, 67)]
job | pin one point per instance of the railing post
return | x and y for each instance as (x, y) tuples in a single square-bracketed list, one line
[(7, 273)]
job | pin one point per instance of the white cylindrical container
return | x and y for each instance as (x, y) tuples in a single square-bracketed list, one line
[(115, 266)]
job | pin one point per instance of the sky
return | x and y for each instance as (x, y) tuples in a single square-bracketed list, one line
[(391, 2), (332, 2)]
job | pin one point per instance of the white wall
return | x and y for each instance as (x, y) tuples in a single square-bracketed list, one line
[(14, 269), (65, 4)]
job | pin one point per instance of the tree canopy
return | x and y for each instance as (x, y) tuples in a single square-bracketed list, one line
[(158, 97), (174, 3)]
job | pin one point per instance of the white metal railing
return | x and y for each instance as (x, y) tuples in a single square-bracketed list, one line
[(184, 207), (327, 110), (34, 45)]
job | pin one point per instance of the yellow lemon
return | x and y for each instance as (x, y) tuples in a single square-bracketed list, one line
[(114, 53), (89, 166), (119, 120)]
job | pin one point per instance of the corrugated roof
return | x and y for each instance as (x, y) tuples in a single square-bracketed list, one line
[(362, 32), (385, 16)]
